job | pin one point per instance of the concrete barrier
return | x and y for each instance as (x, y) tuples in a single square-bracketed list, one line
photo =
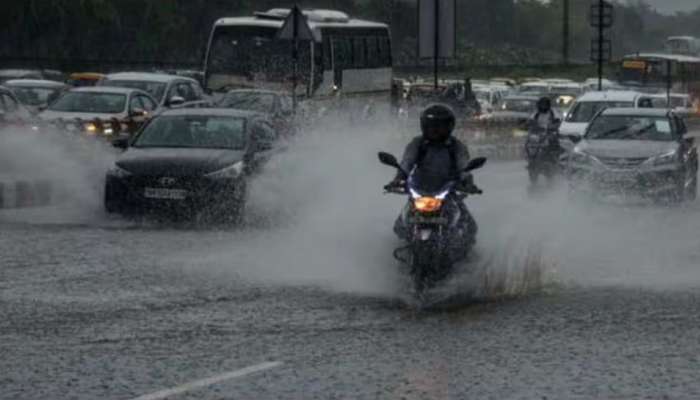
[(21, 193)]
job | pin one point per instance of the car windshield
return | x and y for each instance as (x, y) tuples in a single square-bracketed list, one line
[(155, 89), (624, 127), (90, 102), (586, 110), (250, 101), (200, 131), (519, 105), (36, 96)]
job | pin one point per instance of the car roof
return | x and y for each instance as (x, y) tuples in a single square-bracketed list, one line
[(223, 112), (260, 91), (34, 83), (609, 95), (108, 89), (521, 97), (145, 76), (636, 112)]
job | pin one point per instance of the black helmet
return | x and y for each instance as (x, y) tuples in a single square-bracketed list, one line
[(544, 104), (437, 122)]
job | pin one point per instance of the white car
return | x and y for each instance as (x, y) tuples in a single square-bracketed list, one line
[(588, 106)]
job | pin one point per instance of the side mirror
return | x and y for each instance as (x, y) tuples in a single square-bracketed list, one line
[(475, 163), (137, 112), (574, 138), (389, 159), (175, 101), (121, 143), (263, 145)]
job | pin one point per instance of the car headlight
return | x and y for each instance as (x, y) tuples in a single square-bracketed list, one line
[(664, 159), (91, 128), (119, 172), (231, 172)]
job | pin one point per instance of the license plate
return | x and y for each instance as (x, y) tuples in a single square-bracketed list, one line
[(427, 221), (165, 194)]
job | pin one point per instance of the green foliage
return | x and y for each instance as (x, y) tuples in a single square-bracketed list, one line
[(176, 31)]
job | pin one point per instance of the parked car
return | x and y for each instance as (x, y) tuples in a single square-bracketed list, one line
[(635, 151), (100, 111), (189, 160), (82, 79), (9, 74), (35, 94), (12, 113), (276, 106), (167, 90)]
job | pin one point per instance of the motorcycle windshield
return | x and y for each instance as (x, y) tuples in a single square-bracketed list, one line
[(429, 186)]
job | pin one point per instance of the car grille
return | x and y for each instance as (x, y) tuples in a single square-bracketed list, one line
[(621, 162)]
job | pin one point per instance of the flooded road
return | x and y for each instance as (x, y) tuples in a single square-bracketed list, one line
[(312, 305)]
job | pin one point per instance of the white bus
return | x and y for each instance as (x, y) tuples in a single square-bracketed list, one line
[(683, 45), (349, 56)]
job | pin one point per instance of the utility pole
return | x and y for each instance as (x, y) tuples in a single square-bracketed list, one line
[(566, 33)]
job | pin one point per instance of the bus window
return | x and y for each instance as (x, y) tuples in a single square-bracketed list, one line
[(359, 52), (327, 54), (385, 51), (374, 58), (342, 51)]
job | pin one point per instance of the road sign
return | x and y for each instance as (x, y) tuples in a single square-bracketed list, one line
[(601, 50), (602, 14), (437, 29), (295, 27)]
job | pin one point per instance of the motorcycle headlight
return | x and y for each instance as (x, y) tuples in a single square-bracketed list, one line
[(427, 204), (664, 159), (118, 172), (232, 172)]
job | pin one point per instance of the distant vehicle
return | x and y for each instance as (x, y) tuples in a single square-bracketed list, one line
[(12, 113), (36, 95), (516, 108), (276, 106), (82, 79), (100, 111), (490, 97), (587, 106), (167, 90), (347, 55), (680, 103), (189, 160), (9, 74), (592, 84), (534, 88), (683, 45), (649, 72), (635, 151)]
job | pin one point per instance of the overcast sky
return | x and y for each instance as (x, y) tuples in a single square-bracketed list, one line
[(672, 6)]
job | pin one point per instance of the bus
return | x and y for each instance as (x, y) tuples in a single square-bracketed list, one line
[(649, 72), (683, 45), (347, 56)]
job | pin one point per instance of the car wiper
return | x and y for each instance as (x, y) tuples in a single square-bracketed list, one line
[(612, 131)]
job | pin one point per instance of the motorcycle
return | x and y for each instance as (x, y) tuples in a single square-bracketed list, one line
[(543, 151), (433, 225)]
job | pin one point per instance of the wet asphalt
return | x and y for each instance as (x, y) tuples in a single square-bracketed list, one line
[(101, 308)]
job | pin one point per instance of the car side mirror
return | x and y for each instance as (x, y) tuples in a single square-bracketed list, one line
[(175, 101), (263, 145), (121, 143), (137, 112)]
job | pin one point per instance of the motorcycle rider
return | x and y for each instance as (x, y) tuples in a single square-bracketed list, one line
[(545, 117), (435, 158)]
